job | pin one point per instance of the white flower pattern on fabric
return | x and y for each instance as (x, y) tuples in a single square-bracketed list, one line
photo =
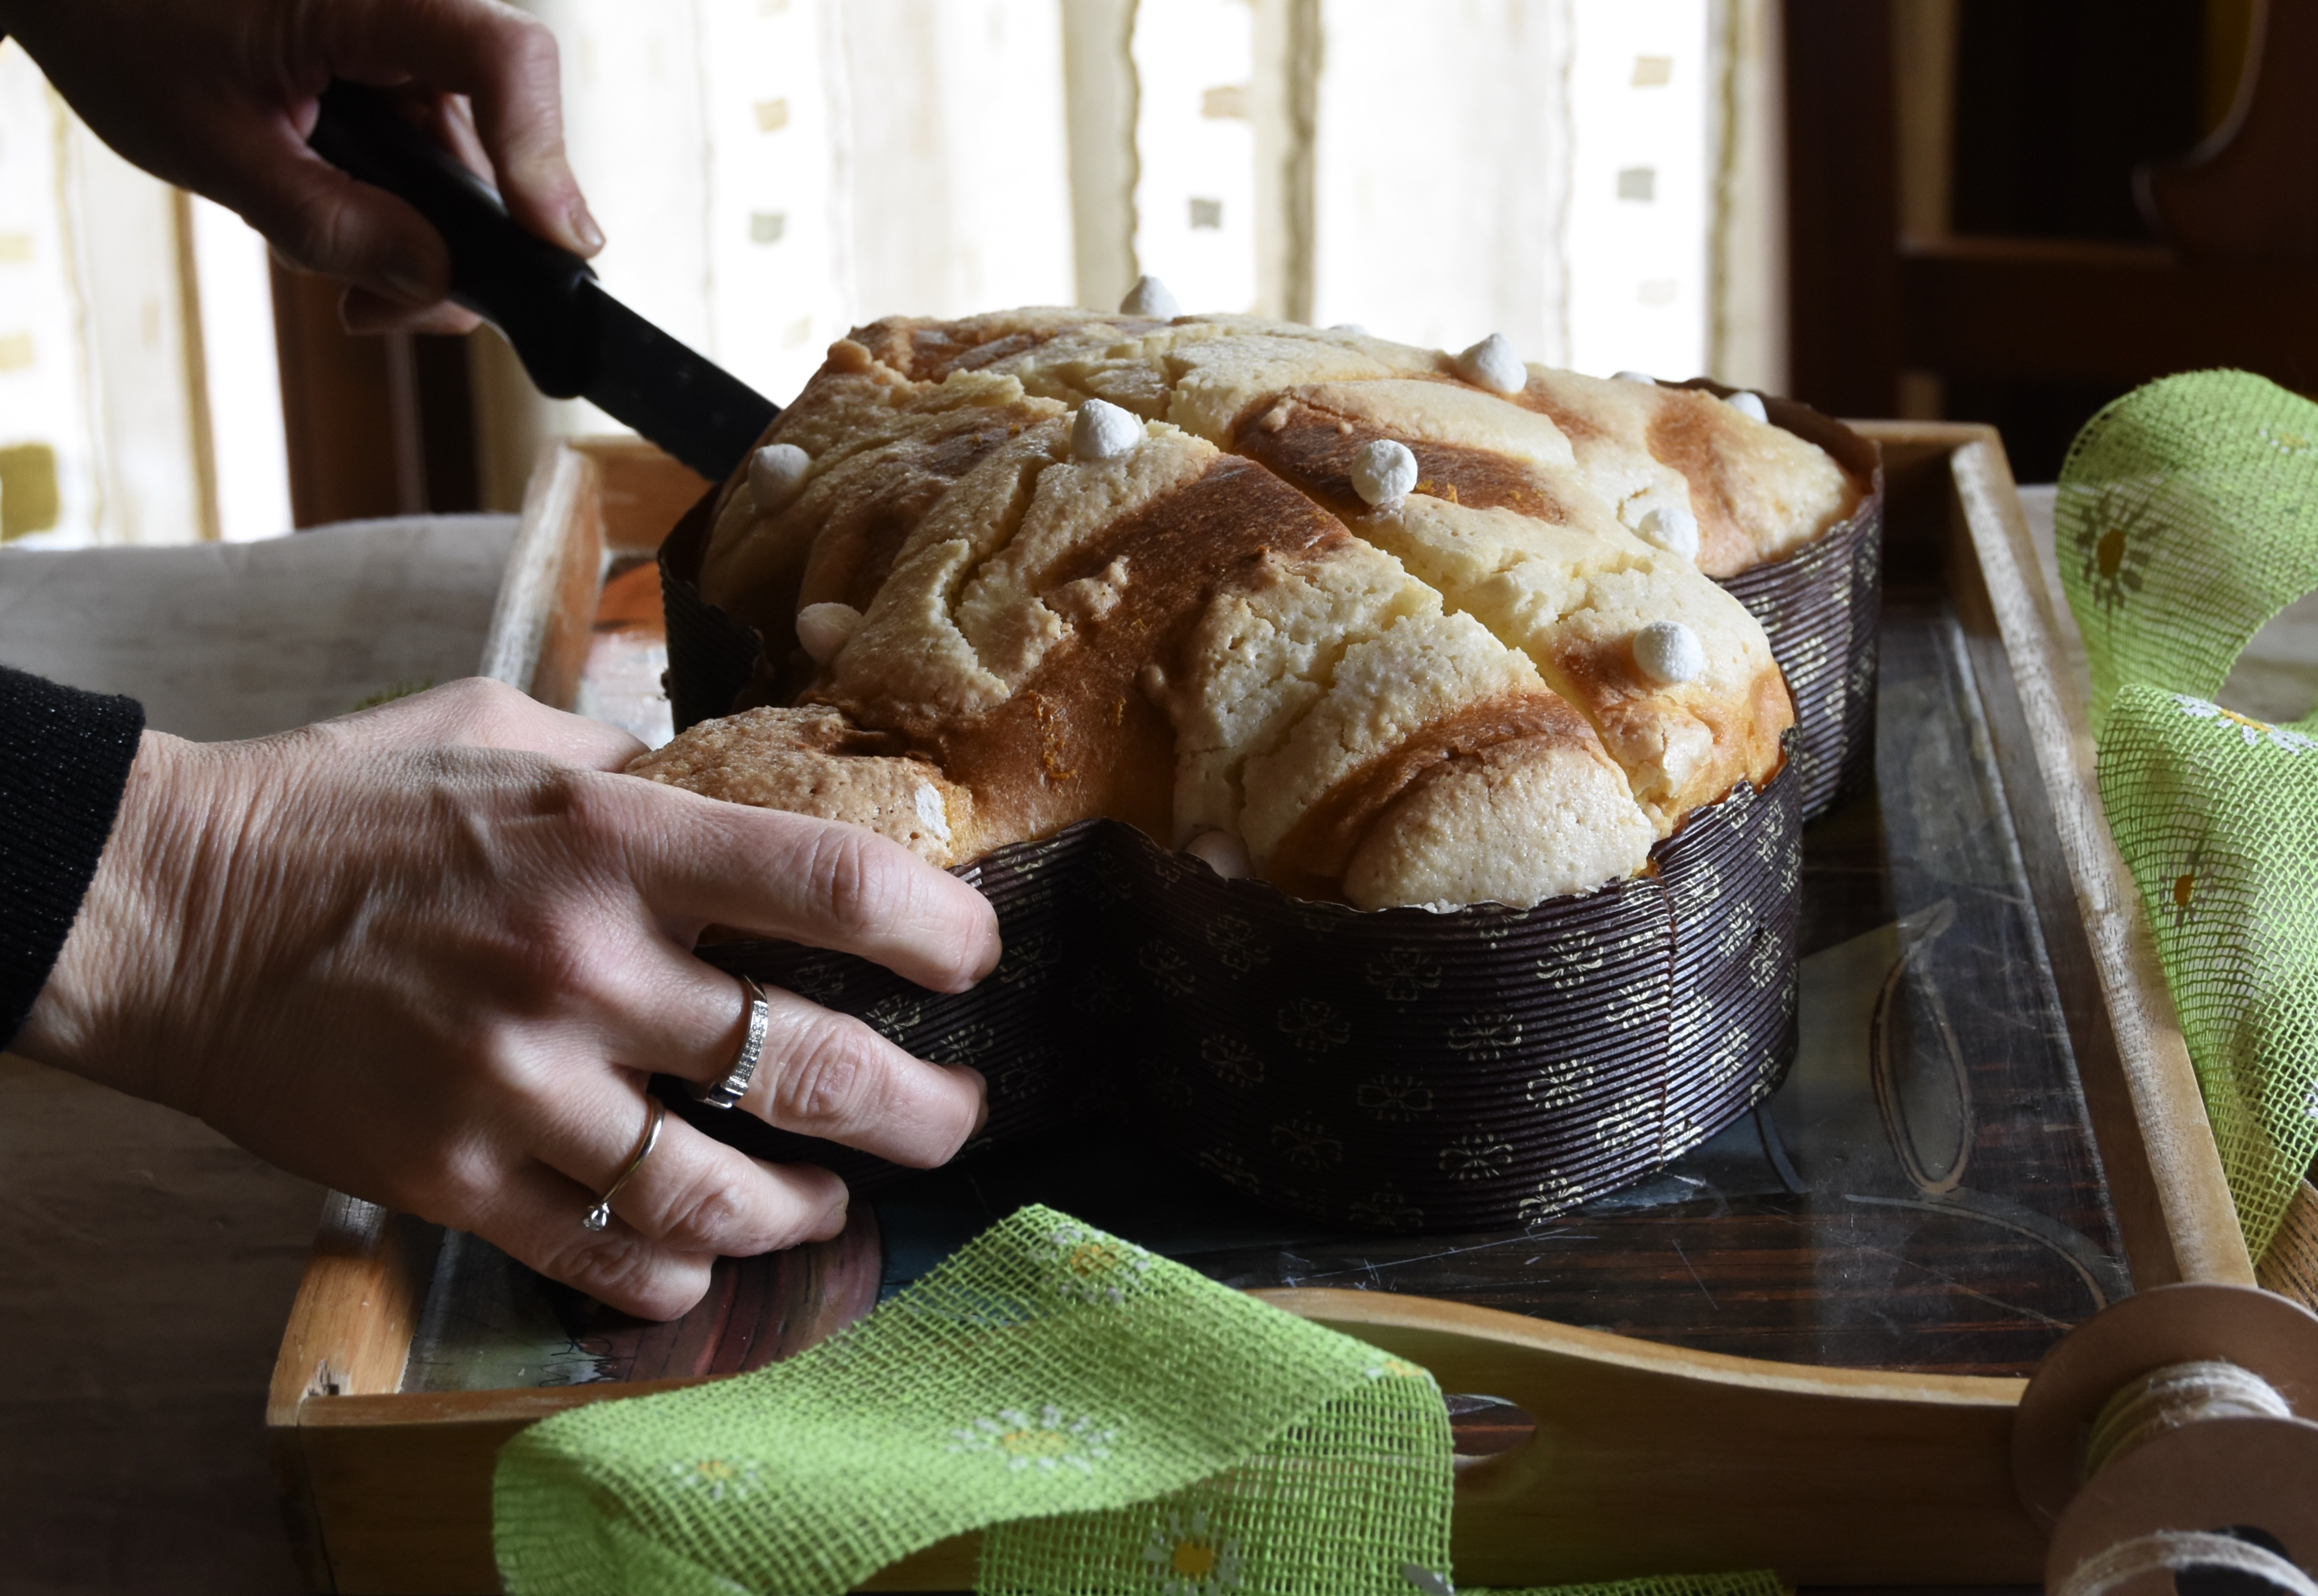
[(1560, 1085), (1167, 967), (1232, 1061), (1045, 1440), (1633, 1119), (1191, 1558), (2252, 733), (1236, 943), (717, 1478), (2286, 441), (1090, 1267), (1387, 1209), (1307, 1145), (1313, 1026), (895, 1014), (1229, 1167), (1553, 1198), (1397, 1368), (1394, 1097), (1476, 1158), (1487, 1036), (1403, 974)]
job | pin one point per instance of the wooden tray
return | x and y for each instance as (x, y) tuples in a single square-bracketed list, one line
[(1780, 1357)]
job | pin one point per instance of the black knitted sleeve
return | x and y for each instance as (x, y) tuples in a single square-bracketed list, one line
[(64, 760)]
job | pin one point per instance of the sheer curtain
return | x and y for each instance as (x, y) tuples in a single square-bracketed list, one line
[(139, 399), (1597, 179), (773, 172), (1594, 178)]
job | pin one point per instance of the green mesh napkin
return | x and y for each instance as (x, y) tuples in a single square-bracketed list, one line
[(2218, 816), (1111, 1420), (2188, 518)]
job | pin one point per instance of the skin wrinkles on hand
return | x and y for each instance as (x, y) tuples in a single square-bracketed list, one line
[(428, 954)]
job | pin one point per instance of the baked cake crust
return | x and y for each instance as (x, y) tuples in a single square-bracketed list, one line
[(993, 607)]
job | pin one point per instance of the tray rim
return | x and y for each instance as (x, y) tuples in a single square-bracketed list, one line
[(2154, 1106), (390, 1491)]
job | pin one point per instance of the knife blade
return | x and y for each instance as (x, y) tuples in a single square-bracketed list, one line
[(574, 339)]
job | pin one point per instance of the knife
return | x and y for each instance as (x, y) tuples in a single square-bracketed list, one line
[(575, 340)]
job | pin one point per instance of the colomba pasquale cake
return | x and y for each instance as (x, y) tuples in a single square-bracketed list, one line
[(1330, 611)]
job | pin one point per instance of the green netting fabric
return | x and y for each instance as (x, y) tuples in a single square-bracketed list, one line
[(2218, 816), (1115, 1422), (2188, 518)]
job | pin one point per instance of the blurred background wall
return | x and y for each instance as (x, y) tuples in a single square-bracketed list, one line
[(1797, 195), (1977, 194)]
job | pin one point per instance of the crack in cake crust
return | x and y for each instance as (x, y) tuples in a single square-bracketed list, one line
[(1235, 640)]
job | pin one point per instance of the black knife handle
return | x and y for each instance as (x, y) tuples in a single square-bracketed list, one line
[(522, 284)]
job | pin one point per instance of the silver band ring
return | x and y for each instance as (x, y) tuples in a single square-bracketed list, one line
[(736, 1084), (600, 1216)]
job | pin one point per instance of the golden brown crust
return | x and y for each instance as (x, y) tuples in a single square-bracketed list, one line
[(1758, 493), (927, 350), (1311, 861), (1684, 433), (1183, 639), (1313, 444), (885, 452), (1740, 730), (1080, 738), (812, 762)]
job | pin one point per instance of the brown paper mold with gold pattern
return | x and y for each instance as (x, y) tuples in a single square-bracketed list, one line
[(1820, 606), (1391, 1069), (1403, 1069), (1027, 1027)]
